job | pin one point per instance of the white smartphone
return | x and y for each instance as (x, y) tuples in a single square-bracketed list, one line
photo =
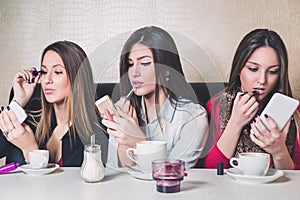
[(280, 108), (18, 110), (106, 102)]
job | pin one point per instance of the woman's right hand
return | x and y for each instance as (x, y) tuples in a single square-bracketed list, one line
[(24, 84), (244, 109)]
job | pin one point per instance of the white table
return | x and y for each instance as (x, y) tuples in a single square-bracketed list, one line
[(66, 183)]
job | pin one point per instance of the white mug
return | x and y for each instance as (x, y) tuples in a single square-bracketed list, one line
[(38, 158), (147, 151), (254, 164)]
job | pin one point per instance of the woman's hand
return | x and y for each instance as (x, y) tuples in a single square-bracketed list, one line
[(24, 84), (124, 129), (18, 134), (126, 107), (244, 109), (272, 141)]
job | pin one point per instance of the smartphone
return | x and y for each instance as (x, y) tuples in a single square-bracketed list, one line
[(280, 108), (104, 103), (18, 110)]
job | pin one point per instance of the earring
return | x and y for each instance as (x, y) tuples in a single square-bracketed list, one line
[(167, 78)]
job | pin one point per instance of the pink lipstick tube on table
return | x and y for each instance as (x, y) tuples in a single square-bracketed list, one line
[(8, 167)]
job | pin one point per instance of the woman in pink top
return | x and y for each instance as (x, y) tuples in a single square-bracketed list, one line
[(259, 69)]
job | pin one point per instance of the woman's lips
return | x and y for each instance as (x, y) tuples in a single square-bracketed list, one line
[(48, 91), (259, 91), (137, 84)]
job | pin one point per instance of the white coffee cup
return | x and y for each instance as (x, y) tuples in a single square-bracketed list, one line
[(147, 151), (38, 158), (254, 164)]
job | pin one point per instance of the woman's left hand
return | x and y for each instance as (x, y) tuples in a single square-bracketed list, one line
[(126, 107), (18, 134), (272, 141), (124, 129)]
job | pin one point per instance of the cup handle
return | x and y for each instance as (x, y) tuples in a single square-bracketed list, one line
[(233, 164), (130, 152)]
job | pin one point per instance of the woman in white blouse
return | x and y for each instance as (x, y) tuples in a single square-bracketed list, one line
[(163, 105)]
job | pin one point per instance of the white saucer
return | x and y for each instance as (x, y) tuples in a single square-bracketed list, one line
[(272, 175), (28, 170), (133, 171)]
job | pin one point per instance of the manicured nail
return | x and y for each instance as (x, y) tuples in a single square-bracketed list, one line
[(8, 108), (266, 115), (35, 73), (2, 108), (252, 121), (32, 80), (243, 94)]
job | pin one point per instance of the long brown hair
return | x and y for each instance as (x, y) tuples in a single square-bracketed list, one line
[(81, 110), (252, 41), (168, 69)]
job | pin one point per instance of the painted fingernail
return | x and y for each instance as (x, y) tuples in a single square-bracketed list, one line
[(2, 108), (243, 94), (28, 80), (266, 115), (8, 108), (32, 80), (35, 73)]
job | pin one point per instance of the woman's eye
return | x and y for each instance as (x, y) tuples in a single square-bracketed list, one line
[(145, 64), (43, 72), (273, 71), (130, 64), (58, 72), (252, 69)]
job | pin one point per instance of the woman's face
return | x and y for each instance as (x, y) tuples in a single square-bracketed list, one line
[(54, 79), (141, 70), (261, 72)]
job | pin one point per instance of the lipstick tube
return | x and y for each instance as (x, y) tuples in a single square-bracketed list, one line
[(9, 167)]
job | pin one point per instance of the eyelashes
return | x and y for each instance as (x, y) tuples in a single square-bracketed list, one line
[(146, 64), (254, 69), (142, 64), (35, 73), (43, 72)]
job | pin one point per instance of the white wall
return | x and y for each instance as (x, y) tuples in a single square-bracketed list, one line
[(206, 32)]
